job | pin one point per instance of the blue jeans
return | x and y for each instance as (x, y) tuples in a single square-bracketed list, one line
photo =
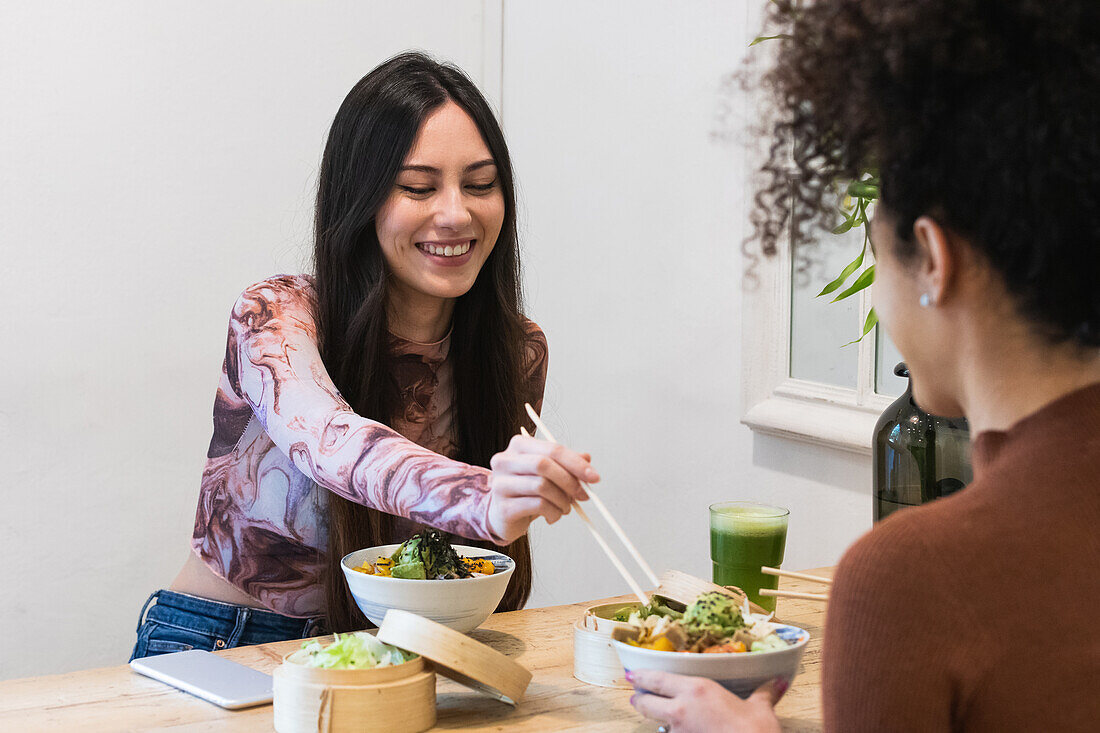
[(178, 622)]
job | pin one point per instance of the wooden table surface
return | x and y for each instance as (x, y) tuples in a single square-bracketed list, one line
[(541, 639)]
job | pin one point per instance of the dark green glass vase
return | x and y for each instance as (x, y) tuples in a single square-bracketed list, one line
[(917, 457)]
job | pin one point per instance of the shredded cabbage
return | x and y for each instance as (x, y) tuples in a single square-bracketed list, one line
[(768, 643), (357, 650)]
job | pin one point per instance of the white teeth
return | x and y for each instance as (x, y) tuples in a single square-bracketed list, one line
[(448, 250)]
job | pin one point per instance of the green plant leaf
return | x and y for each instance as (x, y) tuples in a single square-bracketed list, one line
[(845, 226), (761, 39), (865, 189), (870, 323), (864, 280), (845, 273)]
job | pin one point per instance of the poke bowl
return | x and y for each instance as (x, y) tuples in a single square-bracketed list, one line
[(460, 603), (737, 649)]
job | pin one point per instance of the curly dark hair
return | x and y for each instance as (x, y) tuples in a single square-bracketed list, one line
[(984, 114)]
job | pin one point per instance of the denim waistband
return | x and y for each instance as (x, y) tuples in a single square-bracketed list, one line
[(234, 615)]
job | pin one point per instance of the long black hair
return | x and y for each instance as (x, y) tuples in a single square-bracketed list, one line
[(370, 138)]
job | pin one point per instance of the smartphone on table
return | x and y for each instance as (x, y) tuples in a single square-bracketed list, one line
[(209, 676)]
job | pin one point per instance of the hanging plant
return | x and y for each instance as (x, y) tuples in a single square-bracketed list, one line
[(858, 198), (859, 195)]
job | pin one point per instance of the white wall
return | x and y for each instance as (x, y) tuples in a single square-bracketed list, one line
[(157, 157), (634, 220)]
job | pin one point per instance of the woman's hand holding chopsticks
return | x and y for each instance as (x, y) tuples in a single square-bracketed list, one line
[(535, 478)]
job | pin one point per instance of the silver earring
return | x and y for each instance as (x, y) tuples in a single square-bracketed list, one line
[(925, 300)]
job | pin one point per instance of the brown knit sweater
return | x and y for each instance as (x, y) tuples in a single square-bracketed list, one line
[(981, 611)]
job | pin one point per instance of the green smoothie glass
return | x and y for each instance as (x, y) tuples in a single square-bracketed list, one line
[(744, 536)]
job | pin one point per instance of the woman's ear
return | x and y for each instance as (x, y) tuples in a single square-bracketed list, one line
[(938, 260)]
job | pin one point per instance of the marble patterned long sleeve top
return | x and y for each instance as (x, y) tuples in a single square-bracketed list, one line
[(284, 438)]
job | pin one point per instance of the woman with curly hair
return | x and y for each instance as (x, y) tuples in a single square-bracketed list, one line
[(981, 119), (382, 393)]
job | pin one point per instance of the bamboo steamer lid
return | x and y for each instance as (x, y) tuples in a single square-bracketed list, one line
[(397, 699), (684, 588), (456, 656)]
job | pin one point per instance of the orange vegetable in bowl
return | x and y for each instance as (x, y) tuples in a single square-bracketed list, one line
[(735, 647), (481, 565), (662, 644), (382, 566)]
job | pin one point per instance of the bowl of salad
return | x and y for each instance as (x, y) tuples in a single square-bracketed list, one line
[(715, 637), (454, 585)]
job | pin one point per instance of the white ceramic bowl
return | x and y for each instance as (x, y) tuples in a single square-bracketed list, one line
[(461, 604), (738, 673)]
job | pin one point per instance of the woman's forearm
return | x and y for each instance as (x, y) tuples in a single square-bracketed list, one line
[(279, 372)]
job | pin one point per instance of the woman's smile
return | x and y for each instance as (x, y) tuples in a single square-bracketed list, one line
[(448, 252)]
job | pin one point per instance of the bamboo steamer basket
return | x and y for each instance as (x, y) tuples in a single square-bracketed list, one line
[(595, 661), (397, 699)]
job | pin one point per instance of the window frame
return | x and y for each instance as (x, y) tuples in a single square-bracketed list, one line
[(774, 403)]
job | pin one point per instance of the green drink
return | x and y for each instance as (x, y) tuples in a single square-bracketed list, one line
[(743, 537)]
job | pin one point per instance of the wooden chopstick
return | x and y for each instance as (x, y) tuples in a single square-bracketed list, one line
[(652, 576), (791, 574), (637, 589), (794, 594)]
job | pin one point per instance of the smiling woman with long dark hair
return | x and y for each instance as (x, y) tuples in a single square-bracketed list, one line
[(382, 394)]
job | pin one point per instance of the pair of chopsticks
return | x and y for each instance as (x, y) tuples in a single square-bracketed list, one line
[(791, 593), (637, 589)]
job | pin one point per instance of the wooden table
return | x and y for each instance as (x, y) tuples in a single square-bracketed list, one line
[(115, 698)]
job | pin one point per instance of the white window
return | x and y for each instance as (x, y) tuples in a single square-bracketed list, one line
[(800, 379)]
